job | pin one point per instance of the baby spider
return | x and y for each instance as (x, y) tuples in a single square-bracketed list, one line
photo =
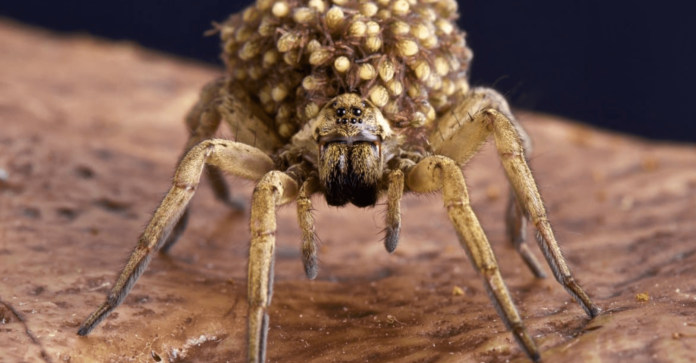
[(353, 102)]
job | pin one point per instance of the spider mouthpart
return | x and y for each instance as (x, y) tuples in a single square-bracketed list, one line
[(350, 169)]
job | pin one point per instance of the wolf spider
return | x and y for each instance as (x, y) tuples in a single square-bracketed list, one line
[(353, 144), (351, 155)]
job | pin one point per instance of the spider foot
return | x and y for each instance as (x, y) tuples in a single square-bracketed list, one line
[(391, 239), (310, 266)]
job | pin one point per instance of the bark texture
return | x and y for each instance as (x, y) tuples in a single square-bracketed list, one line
[(90, 132)]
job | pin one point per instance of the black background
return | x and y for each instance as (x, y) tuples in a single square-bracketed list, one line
[(619, 65)]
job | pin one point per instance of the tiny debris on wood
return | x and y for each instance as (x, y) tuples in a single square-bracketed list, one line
[(391, 320), (642, 297)]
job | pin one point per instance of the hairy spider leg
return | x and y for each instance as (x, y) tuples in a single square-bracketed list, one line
[(274, 189), (235, 158), (515, 219), (306, 223), (491, 116), (395, 190), (203, 121), (459, 140), (441, 173)]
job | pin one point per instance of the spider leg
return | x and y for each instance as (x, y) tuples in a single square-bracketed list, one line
[(395, 191), (439, 172), (515, 165), (516, 229), (177, 231), (492, 116), (274, 189), (241, 160), (202, 122), (515, 219), (306, 222), (459, 138)]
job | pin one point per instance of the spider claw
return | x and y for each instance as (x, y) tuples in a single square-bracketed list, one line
[(594, 312), (95, 318), (84, 330)]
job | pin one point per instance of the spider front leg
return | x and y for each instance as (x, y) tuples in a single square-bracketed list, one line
[(274, 189), (484, 112), (238, 159), (441, 173)]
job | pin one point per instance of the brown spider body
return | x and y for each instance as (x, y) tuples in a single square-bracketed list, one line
[(353, 100)]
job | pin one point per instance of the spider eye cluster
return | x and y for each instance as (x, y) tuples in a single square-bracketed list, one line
[(341, 112), (350, 118)]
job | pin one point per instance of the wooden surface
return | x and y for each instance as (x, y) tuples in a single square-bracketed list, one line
[(90, 132)]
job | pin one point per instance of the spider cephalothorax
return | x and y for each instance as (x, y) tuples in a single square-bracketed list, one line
[(349, 134), (355, 100)]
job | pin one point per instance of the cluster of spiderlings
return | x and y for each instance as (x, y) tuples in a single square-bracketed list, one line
[(406, 56)]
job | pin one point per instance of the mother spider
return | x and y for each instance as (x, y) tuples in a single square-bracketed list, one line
[(353, 101)]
